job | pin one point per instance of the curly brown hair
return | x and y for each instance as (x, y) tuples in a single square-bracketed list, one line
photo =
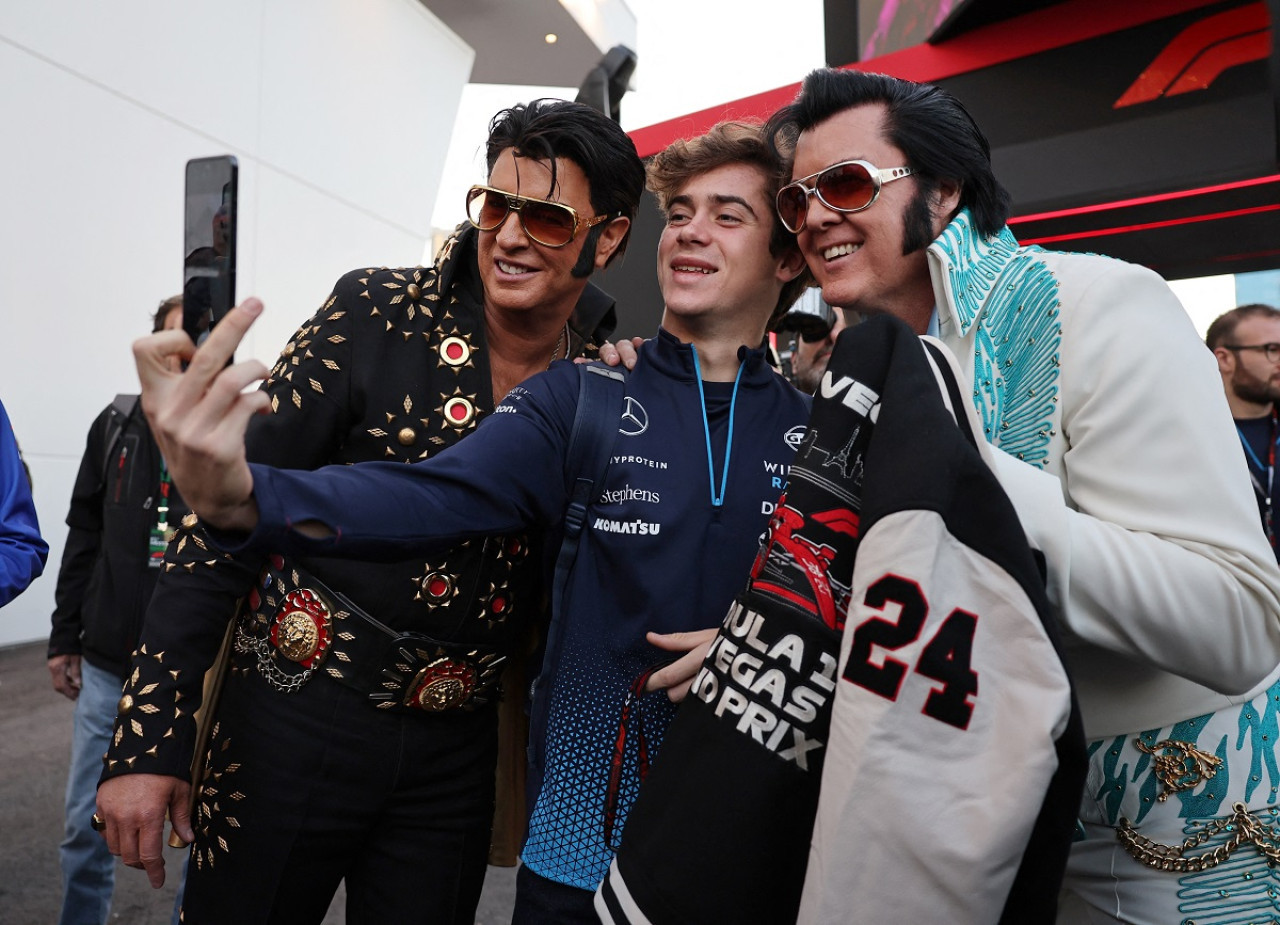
[(731, 143)]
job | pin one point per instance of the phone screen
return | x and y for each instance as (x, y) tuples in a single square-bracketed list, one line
[(209, 267)]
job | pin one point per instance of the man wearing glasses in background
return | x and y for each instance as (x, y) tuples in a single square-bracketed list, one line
[(356, 733), (1116, 450), (1246, 341)]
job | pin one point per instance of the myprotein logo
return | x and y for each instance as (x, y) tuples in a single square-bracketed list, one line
[(638, 461), (635, 420)]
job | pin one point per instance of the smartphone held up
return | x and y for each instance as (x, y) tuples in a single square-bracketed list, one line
[(209, 265)]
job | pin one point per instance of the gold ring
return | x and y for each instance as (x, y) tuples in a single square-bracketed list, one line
[(98, 823)]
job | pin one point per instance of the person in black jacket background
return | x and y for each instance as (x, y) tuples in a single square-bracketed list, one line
[(121, 508)]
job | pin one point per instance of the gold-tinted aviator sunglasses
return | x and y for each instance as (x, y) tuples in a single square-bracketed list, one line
[(551, 224)]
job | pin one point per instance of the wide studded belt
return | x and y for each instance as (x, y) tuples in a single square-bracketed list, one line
[(295, 627)]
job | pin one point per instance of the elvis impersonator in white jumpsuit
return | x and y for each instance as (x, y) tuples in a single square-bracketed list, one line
[(1121, 461), (1119, 455)]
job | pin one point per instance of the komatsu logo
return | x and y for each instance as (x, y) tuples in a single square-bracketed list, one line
[(861, 398), (640, 527)]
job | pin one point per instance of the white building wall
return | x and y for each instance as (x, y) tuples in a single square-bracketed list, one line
[(339, 113)]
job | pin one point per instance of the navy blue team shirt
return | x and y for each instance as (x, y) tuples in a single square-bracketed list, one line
[(662, 551)]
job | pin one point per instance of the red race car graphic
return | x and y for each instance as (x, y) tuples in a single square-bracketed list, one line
[(813, 559)]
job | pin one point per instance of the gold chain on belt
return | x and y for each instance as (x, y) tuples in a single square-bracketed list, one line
[(1180, 766), (1242, 827)]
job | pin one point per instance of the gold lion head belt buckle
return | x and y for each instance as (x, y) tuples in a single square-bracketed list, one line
[(428, 675), (302, 630), (298, 626)]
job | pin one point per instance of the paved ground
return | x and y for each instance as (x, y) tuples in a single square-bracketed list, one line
[(35, 744)]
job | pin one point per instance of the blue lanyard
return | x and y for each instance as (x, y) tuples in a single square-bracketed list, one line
[(1269, 469), (716, 500)]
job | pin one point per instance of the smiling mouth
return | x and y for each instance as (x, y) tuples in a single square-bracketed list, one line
[(686, 269), (512, 268), (840, 250)]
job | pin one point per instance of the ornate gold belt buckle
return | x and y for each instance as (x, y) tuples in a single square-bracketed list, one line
[(1179, 765), (303, 628), (443, 684)]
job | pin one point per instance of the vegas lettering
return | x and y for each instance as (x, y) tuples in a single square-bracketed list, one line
[(773, 690)]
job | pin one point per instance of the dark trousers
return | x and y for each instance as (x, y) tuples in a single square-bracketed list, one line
[(311, 788), (540, 901)]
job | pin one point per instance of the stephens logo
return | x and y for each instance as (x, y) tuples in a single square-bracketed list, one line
[(794, 437), (635, 420), (627, 493)]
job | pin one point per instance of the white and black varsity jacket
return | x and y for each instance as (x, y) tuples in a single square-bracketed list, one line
[(883, 730)]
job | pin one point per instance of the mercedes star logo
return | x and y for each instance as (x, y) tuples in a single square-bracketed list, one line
[(635, 420)]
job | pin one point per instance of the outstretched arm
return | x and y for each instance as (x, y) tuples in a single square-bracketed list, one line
[(199, 416)]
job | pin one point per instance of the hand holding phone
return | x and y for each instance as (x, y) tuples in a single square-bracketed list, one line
[(209, 267)]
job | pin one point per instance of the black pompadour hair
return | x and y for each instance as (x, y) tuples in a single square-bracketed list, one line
[(931, 127), (546, 129)]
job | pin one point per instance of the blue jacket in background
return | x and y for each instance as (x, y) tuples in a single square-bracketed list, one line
[(22, 551)]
